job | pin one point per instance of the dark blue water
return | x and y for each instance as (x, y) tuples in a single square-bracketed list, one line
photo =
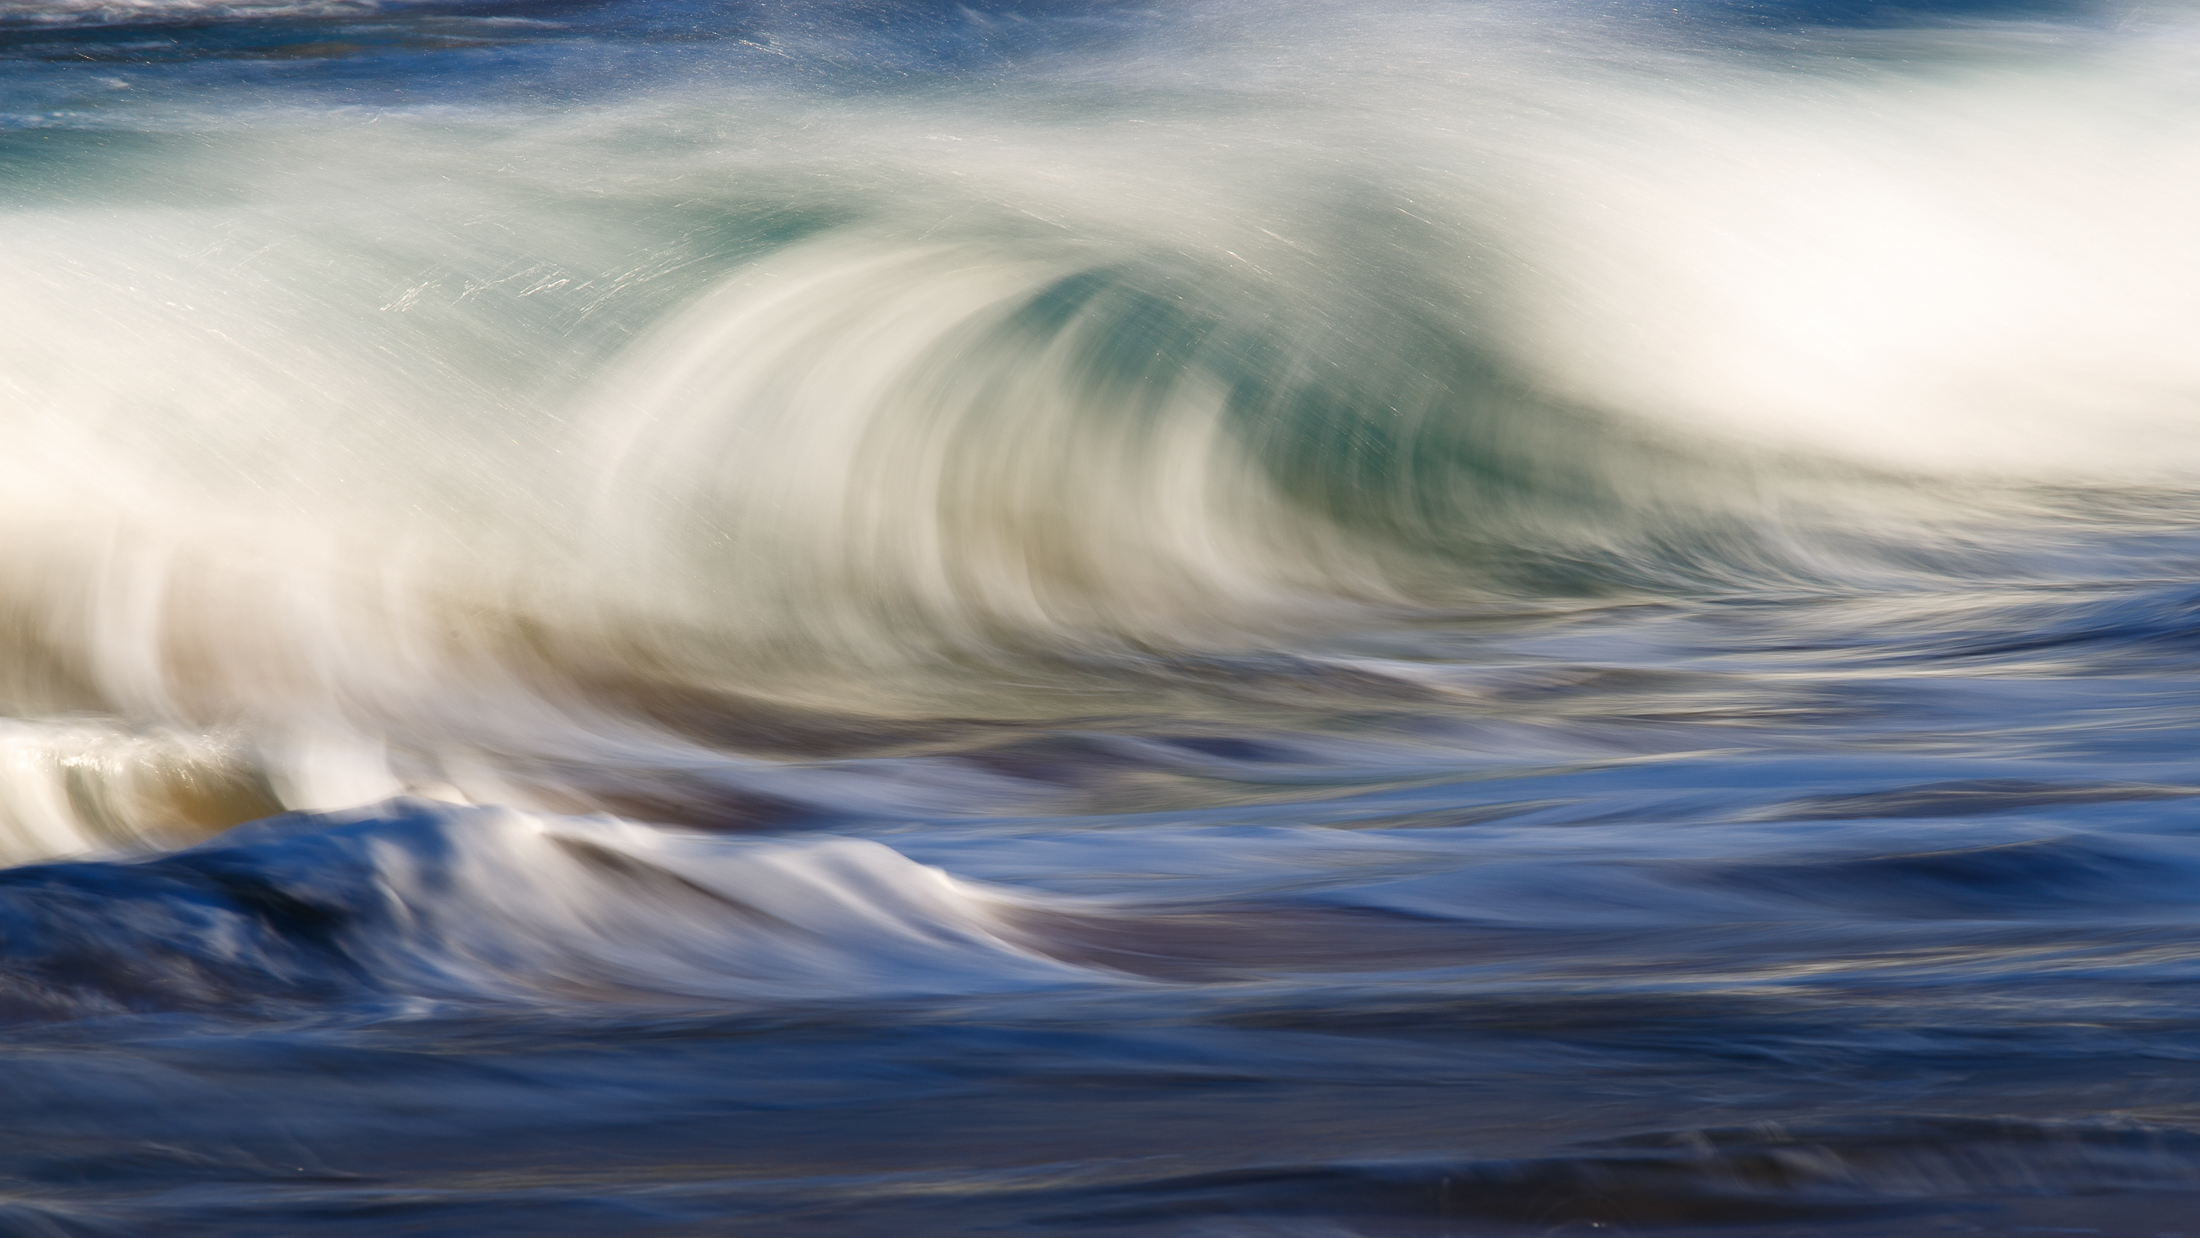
[(1431, 619)]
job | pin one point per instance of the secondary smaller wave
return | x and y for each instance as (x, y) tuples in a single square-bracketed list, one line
[(425, 903)]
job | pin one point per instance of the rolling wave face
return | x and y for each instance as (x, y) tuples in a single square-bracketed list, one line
[(418, 467)]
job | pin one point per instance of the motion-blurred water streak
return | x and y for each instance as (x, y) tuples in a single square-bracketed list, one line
[(1508, 618)]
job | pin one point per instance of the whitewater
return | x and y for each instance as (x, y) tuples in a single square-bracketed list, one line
[(1211, 619)]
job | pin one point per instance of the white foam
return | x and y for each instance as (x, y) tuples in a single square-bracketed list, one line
[(375, 444)]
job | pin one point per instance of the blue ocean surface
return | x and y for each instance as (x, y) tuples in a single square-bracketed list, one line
[(1305, 619)]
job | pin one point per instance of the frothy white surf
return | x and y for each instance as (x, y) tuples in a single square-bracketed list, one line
[(376, 445)]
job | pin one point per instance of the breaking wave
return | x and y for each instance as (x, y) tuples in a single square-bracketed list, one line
[(448, 450)]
